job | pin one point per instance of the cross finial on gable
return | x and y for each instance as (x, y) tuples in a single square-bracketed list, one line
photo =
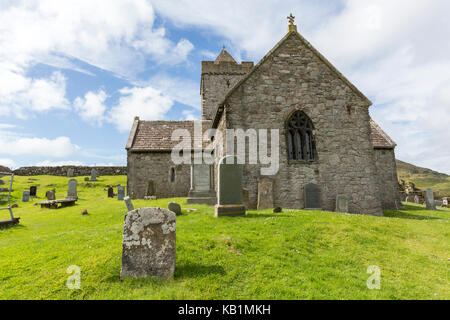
[(292, 26)]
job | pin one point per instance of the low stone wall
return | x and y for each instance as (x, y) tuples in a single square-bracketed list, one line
[(62, 171)]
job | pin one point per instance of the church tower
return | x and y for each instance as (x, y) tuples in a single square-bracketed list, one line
[(217, 78)]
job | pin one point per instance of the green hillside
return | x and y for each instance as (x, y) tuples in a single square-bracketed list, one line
[(424, 178), (296, 254)]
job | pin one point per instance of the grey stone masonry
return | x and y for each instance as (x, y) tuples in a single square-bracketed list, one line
[(148, 247), (230, 195), (342, 203), (265, 193)]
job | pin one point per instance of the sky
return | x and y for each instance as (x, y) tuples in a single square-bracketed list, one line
[(74, 74)]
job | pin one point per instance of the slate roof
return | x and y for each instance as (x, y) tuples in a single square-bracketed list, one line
[(156, 136), (380, 139)]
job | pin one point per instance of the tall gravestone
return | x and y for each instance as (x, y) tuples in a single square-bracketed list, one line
[(342, 202), (230, 198), (94, 174), (148, 246), (26, 196), (312, 197), (33, 191), (120, 192), (202, 190), (429, 199), (72, 189), (416, 199), (265, 193), (129, 204), (110, 192), (70, 172)]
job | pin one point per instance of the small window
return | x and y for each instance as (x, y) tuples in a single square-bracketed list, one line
[(172, 175), (300, 138)]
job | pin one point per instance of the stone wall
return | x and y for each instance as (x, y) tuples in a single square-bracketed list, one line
[(143, 167), (388, 179), (294, 78), (62, 171)]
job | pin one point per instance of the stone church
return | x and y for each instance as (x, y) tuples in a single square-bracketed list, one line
[(326, 135)]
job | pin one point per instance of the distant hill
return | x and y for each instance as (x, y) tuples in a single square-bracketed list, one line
[(424, 178)]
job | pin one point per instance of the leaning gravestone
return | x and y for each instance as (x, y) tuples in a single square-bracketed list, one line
[(429, 199), (72, 189), (26, 196), (111, 193), (230, 200), (94, 175), (129, 204), (148, 247), (312, 197), (120, 192), (70, 172), (342, 203), (174, 207), (33, 191), (265, 193)]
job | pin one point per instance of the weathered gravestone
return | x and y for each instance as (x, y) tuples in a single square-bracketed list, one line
[(265, 193), (445, 202), (129, 204), (50, 195), (416, 199), (70, 172), (429, 199), (110, 192), (94, 175), (174, 207), (72, 189), (26, 196), (230, 199), (120, 192), (148, 248), (150, 188), (312, 197), (33, 191), (342, 203), (202, 191)]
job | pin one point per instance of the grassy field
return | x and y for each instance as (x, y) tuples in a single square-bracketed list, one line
[(290, 255)]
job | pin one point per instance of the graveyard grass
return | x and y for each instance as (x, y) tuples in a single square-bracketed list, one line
[(291, 255)]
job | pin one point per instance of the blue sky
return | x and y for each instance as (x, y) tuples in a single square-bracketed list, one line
[(73, 74)]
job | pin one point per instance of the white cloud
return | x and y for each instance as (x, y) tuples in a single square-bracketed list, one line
[(9, 163), (92, 107), (17, 146), (145, 102)]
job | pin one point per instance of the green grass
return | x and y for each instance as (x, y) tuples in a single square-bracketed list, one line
[(291, 255)]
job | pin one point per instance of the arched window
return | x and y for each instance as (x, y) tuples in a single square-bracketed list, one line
[(300, 138)]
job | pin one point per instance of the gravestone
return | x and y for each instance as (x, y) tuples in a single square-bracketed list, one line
[(265, 193), (33, 191), (72, 189), (111, 192), (70, 172), (50, 195), (245, 198), (342, 202), (150, 188), (429, 199), (445, 202), (148, 246), (26, 196), (129, 204), (312, 197), (94, 175), (86, 178), (120, 192), (416, 199), (174, 207), (230, 198), (202, 191)]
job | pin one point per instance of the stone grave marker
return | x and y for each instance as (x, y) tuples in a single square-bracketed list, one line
[(26, 196), (72, 189), (111, 192), (129, 204), (174, 207), (70, 172), (230, 198), (445, 202), (416, 199), (150, 188), (148, 246), (342, 202), (202, 190), (265, 193), (312, 197), (429, 199), (33, 191), (120, 192), (50, 195), (94, 174)]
